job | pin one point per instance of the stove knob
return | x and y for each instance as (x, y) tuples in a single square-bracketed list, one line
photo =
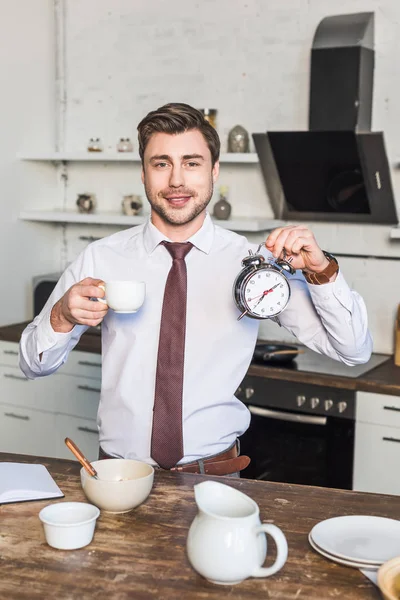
[(248, 392), (300, 400), (314, 402), (342, 406), (328, 404)]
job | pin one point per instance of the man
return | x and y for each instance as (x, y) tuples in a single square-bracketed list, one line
[(168, 388)]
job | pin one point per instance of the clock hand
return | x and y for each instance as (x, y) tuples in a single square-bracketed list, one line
[(265, 293)]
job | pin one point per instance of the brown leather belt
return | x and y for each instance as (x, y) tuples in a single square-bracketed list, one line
[(225, 463)]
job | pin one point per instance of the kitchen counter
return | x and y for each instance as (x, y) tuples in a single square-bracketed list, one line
[(141, 554), (383, 379)]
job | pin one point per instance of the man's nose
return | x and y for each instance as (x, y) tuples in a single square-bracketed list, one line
[(176, 178)]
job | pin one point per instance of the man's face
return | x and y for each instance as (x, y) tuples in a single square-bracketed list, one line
[(178, 175)]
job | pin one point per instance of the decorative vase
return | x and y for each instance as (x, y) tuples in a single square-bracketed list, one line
[(222, 208), (132, 205), (95, 145), (124, 145), (86, 203), (238, 140)]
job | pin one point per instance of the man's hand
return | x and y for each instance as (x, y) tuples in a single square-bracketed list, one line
[(76, 308), (300, 244)]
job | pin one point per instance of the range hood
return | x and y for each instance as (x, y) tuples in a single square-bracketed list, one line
[(338, 170)]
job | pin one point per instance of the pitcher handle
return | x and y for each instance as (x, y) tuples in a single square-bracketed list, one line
[(281, 550)]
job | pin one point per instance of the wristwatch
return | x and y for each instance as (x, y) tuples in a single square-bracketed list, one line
[(325, 275)]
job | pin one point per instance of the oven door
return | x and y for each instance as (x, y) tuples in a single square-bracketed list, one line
[(299, 448)]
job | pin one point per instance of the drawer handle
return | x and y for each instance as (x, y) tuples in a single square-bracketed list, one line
[(13, 352), (14, 416), (88, 388), (392, 408), (390, 439), (87, 363), (88, 430), (19, 377)]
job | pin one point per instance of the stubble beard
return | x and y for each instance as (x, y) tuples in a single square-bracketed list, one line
[(179, 216)]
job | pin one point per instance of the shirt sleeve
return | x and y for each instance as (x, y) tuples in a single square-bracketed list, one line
[(330, 319), (42, 350)]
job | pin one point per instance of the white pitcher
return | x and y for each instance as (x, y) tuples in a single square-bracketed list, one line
[(226, 541)]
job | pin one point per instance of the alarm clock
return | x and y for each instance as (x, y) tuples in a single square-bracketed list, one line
[(261, 290)]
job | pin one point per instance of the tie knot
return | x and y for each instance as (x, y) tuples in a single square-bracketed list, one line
[(178, 250)]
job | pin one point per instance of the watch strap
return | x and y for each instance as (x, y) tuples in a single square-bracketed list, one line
[(325, 275)]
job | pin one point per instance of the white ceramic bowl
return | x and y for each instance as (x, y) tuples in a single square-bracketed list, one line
[(69, 525), (122, 485)]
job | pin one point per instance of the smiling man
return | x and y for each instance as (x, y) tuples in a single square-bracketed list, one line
[(170, 371)]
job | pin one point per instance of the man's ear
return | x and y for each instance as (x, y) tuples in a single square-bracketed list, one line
[(142, 174), (215, 171)]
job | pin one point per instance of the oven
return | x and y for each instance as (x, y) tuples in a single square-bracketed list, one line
[(299, 433)]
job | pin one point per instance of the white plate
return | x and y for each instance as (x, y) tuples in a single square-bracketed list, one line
[(359, 538), (342, 561)]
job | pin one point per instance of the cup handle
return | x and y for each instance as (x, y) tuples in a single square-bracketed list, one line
[(102, 300), (281, 550)]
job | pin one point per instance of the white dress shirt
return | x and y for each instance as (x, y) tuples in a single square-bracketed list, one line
[(330, 319)]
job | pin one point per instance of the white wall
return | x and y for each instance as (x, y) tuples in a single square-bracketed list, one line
[(27, 111), (250, 60), (247, 58)]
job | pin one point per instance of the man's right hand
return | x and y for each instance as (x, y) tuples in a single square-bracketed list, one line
[(76, 308)]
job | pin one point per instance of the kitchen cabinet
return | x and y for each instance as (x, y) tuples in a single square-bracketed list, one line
[(377, 443), (36, 416)]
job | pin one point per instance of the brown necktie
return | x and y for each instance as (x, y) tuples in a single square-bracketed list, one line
[(167, 439)]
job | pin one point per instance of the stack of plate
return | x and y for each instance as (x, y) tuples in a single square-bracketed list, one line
[(357, 541)]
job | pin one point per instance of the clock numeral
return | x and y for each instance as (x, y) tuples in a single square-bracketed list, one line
[(252, 282), (281, 286), (271, 309), (282, 295), (263, 310), (279, 303)]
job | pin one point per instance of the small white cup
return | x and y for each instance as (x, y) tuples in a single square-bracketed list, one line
[(124, 296), (69, 525)]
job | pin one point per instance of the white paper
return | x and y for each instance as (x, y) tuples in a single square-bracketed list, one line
[(20, 481)]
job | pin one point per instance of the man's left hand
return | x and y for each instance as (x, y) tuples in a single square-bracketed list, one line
[(300, 244)]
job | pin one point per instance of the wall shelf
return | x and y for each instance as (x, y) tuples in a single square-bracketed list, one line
[(247, 158), (245, 224)]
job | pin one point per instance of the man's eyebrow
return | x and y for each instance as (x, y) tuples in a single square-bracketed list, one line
[(160, 157), (184, 157), (190, 156)]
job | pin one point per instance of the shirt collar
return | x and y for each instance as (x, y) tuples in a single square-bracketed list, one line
[(202, 239)]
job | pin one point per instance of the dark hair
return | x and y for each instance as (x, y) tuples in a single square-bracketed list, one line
[(177, 118)]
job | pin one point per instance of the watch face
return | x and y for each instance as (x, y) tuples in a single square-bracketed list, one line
[(266, 293)]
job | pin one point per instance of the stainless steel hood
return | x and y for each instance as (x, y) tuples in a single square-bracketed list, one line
[(338, 170)]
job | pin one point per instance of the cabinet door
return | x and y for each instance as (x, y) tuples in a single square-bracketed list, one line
[(376, 459), (9, 353), (38, 394), (83, 432), (26, 431), (378, 409)]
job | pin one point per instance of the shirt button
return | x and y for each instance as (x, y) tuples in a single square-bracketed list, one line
[(339, 292), (326, 298)]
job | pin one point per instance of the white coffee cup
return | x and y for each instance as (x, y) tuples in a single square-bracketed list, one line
[(123, 296)]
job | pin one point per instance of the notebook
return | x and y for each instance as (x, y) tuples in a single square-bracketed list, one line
[(20, 482)]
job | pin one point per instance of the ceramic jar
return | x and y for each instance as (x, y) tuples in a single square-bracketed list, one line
[(86, 203), (132, 205), (238, 140), (124, 145), (95, 145), (222, 208)]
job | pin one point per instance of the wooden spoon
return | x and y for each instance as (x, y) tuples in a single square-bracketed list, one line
[(81, 457)]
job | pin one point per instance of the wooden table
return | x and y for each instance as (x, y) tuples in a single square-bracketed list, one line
[(141, 554)]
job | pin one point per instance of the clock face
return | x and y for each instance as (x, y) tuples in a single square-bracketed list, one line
[(266, 293)]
